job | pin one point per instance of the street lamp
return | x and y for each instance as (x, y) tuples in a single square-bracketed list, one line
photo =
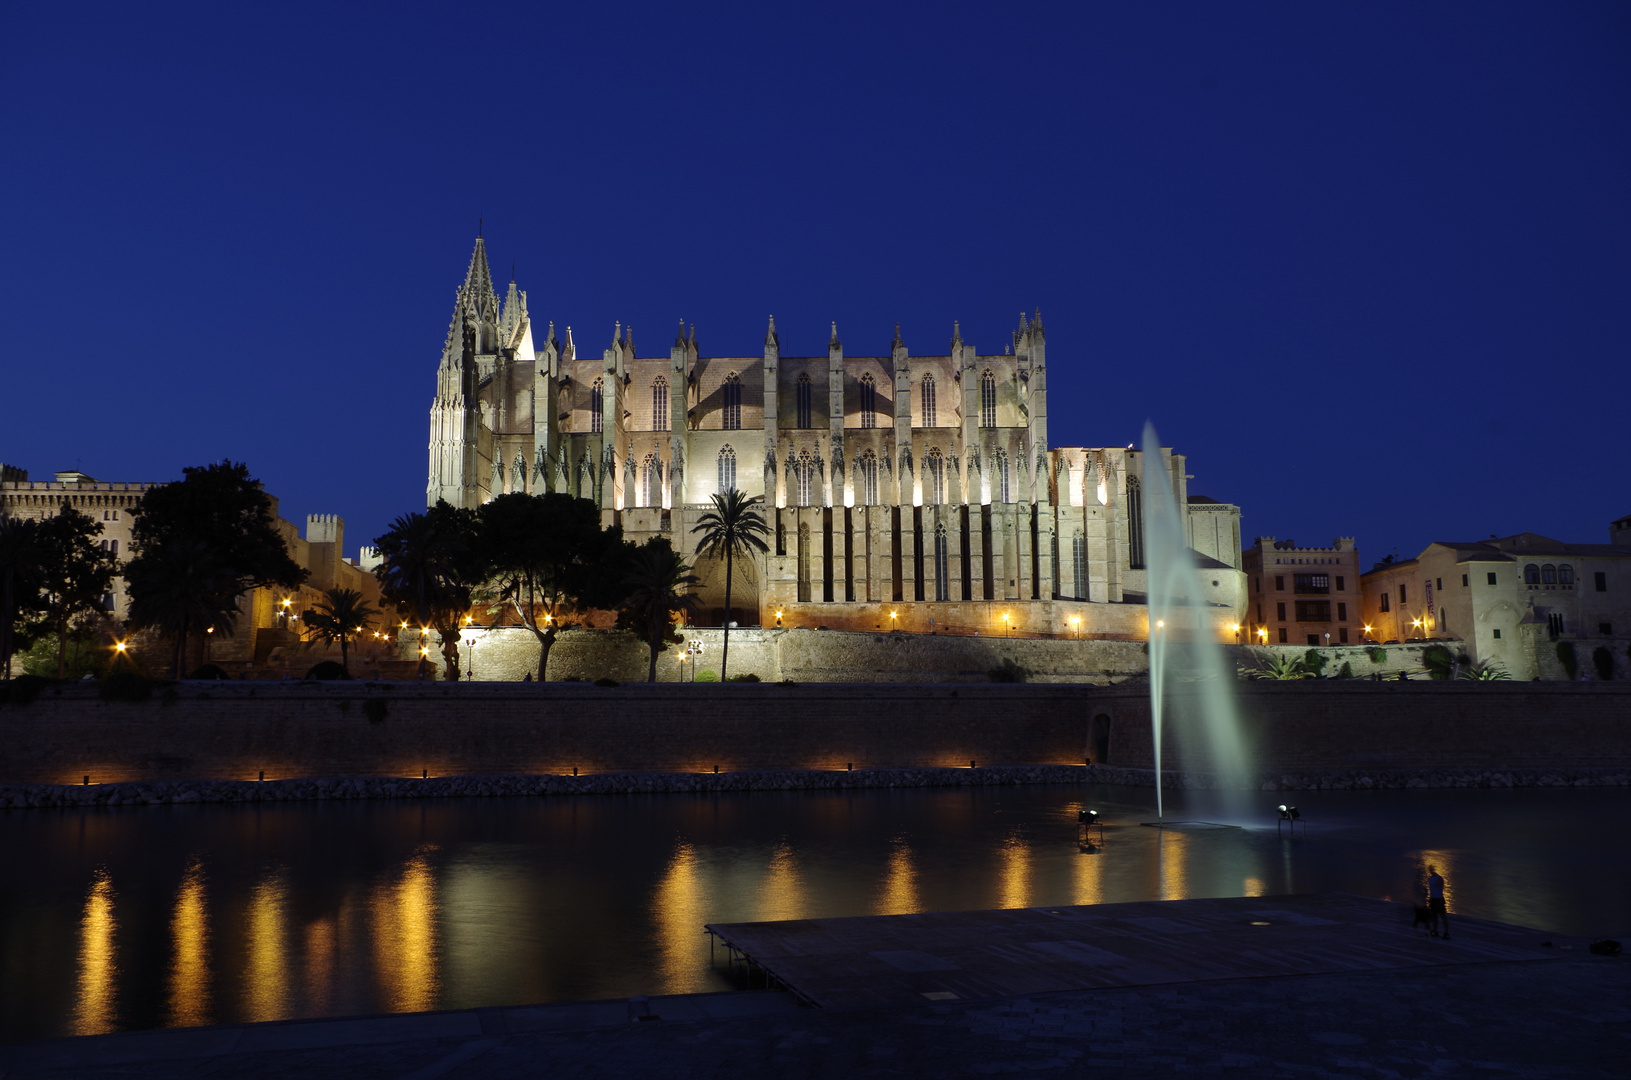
[(778, 618), (1076, 626), (893, 615), (694, 650), (470, 643)]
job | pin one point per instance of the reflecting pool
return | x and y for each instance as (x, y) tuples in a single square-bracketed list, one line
[(139, 917)]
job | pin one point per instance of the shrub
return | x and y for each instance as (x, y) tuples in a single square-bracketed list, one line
[(375, 709), (1438, 661), (1603, 661), (125, 686), (1008, 672), (1566, 657), (1347, 671), (209, 671), (705, 675), (327, 670), (1314, 663), (24, 688), (745, 677), (613, 682), (1377, 654), (1276, 667)]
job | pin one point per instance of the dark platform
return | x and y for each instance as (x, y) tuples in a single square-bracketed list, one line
[(894, 959)]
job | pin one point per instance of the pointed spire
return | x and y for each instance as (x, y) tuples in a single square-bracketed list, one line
[(617, 334), (693, 337), (679, 338), (956, 333), (833, 341), (771, 337), (1023, 326), (628, 340), (896, 342), (478, 278)]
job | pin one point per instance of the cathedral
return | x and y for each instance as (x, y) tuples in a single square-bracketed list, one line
[(916, 493)]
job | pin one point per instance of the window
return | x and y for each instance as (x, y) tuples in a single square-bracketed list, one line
[(804, 477), (597, 405), (1257, 584), (1554, 625), (1548, 574), (942, 565), (926, 401), (1279, 583), (1342, 584), (1565, 574), (1402, 598), (988, 400), (1259, 612), (1313, 611), (869, 402), (1491, 577), (1004, 493), (869, 479), (1602, 581), (1463, 581), (1531, 574), (651, 475), (1497, 633), (1312, 583), (1078, 564), (1135, 524), (1342, 612), (1280, 611), (1282, 635), (732, 397), (1384, 600), (727, 469), (1313, 639), (659, 404), (1438, 583), (801, 396), (1342, 635), (935, 474), (1606, 629)]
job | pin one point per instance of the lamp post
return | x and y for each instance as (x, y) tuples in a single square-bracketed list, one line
[(1076, 626), (1007, 625), (693, 650), (470, 643)]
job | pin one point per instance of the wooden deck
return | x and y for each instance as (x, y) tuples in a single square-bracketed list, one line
[(941, 956)]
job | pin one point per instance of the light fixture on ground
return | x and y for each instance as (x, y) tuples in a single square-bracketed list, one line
[(1289, 817)]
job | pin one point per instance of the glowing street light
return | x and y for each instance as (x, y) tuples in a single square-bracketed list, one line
[(1007, 624), (778, 618), (1076, 626)]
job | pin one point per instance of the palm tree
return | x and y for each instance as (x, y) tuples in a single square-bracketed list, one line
[(22, 564), (427, 568), (340, 615), (733, 527), (180, 588), (1277, 667), (659, 585)]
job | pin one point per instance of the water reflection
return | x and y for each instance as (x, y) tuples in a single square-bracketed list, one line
[(406, 956), (321, 947), (1015, 874), (782, 894), (899, 894), (1171, 865), (1088, 883), (1445, 862), (1251, 887), (95, 1007), (676, 911), (266, 972), (188, 998)]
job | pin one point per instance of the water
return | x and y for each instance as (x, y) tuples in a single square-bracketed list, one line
[(1184, 648), (140, 917)]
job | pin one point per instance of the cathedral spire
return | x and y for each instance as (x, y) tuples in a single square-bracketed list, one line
[(679, 338), (478, 279), (832, 342), (771, 337), (956, 333)]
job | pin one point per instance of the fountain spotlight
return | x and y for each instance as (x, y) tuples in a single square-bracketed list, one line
[(1088, 821), (1289, 815)]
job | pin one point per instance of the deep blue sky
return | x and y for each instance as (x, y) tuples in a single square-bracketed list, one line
[(1369, 265)]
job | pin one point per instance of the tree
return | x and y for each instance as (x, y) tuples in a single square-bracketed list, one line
[(546, 558), (428, 564), (76, 575), (22, 558), (225, 509), (339, 616), (180, 587), (659, 586), (735, 529)]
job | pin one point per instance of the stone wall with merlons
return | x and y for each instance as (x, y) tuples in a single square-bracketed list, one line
[(237, 730)]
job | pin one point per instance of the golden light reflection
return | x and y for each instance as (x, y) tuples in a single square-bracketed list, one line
[(1172, 876), (1445, 862), (782, 894), (406, 953), (1015, 874), (95, 1006), (677, 914), (266, 972), (189, 983), (1251, 887), (899, 884), (1089, 879), (321, 947)]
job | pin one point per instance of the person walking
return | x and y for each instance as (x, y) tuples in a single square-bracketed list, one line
[(1440, 915)]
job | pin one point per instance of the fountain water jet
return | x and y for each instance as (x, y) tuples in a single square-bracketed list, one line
[(1184, 646)]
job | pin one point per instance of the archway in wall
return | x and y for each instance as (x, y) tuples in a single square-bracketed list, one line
[(1098, 740)]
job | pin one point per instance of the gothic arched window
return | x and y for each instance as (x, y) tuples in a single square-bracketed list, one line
[(597, 405), (1078, 562), (869, 479), (1565, 572), (804, 477), (659, 404), (869, 402), (1548, 574), (935, 477), (1531, 574), (926, 401), (1135, 523), (732, 397), (801, 398), (727, 468), (988, 400), (942, 564), (999, 464), (651, 477)]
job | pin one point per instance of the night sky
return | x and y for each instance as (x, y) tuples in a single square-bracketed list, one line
[(1369, 265)]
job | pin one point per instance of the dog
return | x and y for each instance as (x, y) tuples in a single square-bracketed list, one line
[(1425, 920)]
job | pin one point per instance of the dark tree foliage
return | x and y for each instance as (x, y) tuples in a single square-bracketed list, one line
[(225, 508), (735, 529), (22, 559), (340, 616), (182, 586), (659, 584), (429, 565), (546, 558), (76, 575)]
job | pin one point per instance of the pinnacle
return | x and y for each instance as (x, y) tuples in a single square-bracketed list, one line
[(771, 337), (896, 342), (479, 277), (834, 339)]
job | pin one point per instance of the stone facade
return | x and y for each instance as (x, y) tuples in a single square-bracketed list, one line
[(1511, 601), (1303, 595), (899, 487)]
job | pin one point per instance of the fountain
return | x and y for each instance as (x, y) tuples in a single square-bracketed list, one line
[(1184, 647)]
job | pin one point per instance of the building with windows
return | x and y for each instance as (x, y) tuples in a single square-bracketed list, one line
[(1511, 600), (1302, 595), (910, 492)]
